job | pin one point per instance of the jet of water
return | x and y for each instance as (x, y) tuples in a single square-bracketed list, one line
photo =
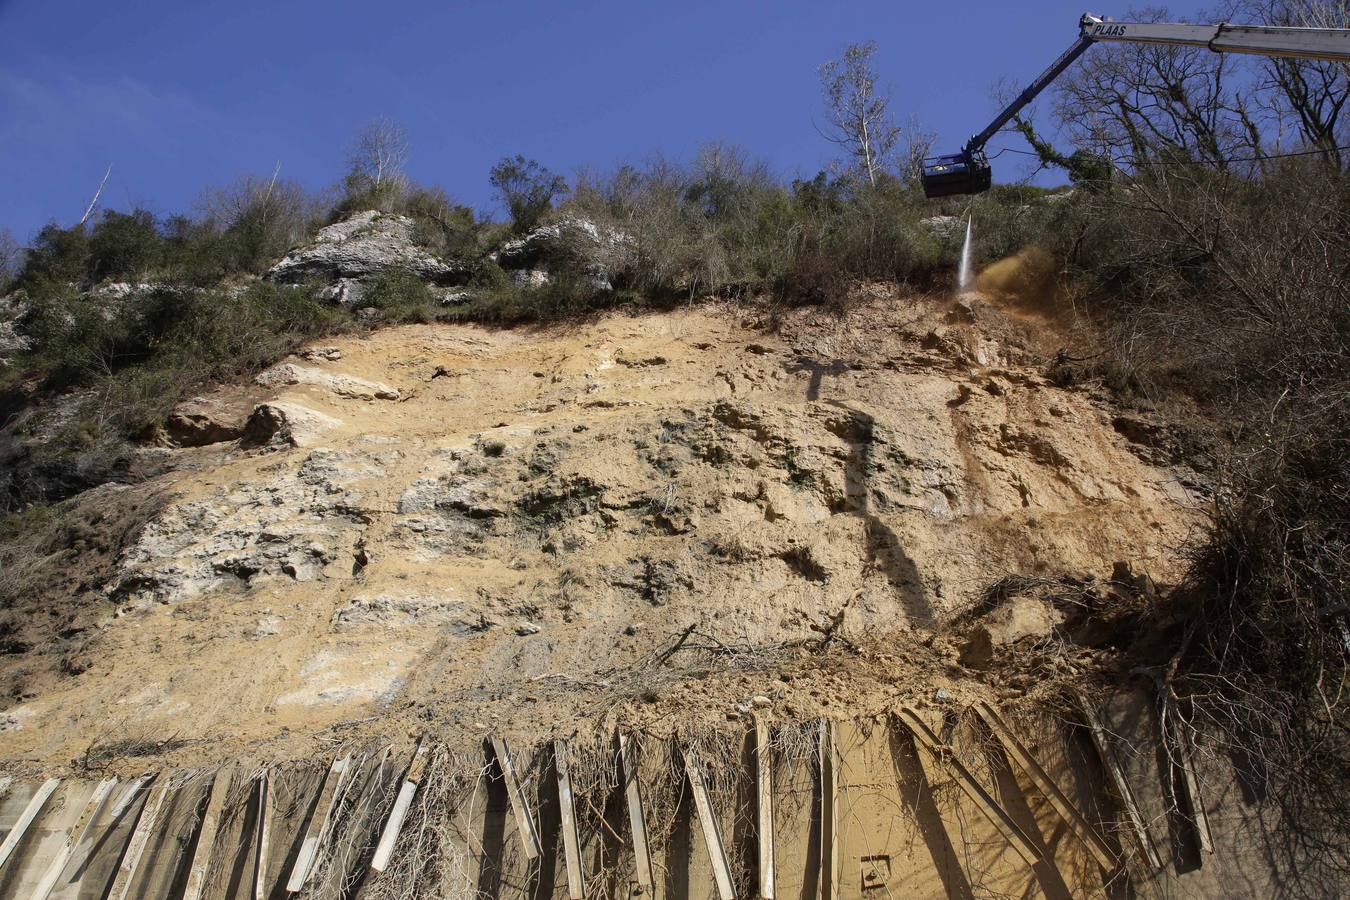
[(966, 277)]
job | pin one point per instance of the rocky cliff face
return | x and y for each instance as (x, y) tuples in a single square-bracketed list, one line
[(363, 245), (470, 526)]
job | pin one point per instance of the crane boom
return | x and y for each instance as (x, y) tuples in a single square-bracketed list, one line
[(968, 172), (1331, 44)]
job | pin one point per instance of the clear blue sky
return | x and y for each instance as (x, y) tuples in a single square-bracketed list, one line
[(181, 94)]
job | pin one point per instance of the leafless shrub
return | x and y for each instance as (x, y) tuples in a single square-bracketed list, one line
[(375, 172), (1233, 290)]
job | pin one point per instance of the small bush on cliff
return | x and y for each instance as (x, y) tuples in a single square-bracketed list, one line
[(527, 190), (145, 353), (402, 296)]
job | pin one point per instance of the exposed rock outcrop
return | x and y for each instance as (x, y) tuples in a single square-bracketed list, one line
[(206, 420), (367, 244), (348, 386), (286, 423), (548, 508), (11, 342), (597, 251)]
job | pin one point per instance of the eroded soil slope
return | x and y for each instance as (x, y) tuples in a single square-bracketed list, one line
[(465, 528)]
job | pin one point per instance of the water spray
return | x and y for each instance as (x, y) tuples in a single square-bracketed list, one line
[(966, 276)]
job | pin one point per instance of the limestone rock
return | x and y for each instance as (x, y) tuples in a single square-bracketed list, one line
[(205, 420), (288, 423), (304, 523), (531, 278), (1019, 618), (347, 291), (598, 250), (348, 386), (11, 342), (944, 227), (369, 243), (399, 611)]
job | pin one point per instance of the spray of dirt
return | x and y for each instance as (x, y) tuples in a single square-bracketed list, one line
[(1026, 284)]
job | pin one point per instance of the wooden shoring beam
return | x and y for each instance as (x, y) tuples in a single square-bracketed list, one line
[(30, 812), (140, 837), (576, 880), (970, 785), (1179, 748), (74, 837), (389, 837), (707, 819), (520, 805), (317, 826), (1027, 762), (637, 816), (764, 807), (206, 835), (1116, 776), (263, 845), (129, 793), (827, 763)]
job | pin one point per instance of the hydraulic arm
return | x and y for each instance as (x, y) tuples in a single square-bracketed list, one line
[(968, 171)]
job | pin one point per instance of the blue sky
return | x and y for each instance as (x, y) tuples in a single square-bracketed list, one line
[(182, 95)]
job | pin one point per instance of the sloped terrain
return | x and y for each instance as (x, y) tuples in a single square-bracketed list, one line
[(661, 519)]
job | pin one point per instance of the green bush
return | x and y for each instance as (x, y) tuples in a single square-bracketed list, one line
[(445, 228), (507, 303), (252, 222), (147, 352), (402, 296), (527, 189), (57, 256), (124, 245), (725, 223)]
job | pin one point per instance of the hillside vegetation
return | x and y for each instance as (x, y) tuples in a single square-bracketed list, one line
[(1198, 273)]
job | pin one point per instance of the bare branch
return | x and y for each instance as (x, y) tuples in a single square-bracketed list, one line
[(89, 210)]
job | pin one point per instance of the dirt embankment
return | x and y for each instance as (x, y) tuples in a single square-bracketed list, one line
[(667, 519)]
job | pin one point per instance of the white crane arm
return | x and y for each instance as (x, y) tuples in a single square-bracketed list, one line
[(968, 172), (1262, 40)]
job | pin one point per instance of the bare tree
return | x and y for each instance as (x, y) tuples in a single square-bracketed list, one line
[(265, 216), (858, 111), (1135, 102), (917, 141), (378, 157), (1313, 94), (10, 258)]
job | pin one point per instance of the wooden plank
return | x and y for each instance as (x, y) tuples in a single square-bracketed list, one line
[(140, 836), (74, 838), (1116, 776), (318, 824), (30, 812), (576, 882), (712, 837), (983, 800), (263, 846), (829, 795), (637, 817), (389, 837), (764, 806), (206, 834), (1190, 784), (1027, 762), (128, 795), (529, 835)]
